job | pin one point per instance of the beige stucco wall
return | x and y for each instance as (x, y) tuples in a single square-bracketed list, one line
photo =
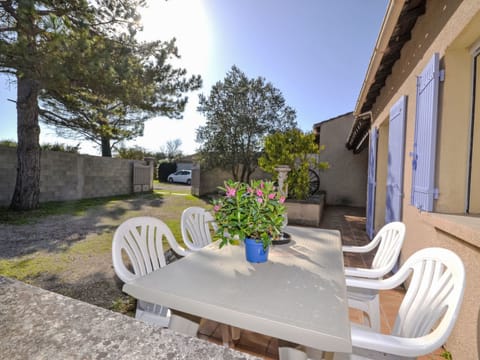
[(345, 182), (462, 235), (450, 28)]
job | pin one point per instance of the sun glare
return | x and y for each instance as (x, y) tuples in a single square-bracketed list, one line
[(185, 20)]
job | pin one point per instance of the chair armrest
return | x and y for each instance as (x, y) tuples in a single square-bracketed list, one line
[(365, 273), (354, 249), (379, 284), (180, 250), (366, 338), (362, 249)]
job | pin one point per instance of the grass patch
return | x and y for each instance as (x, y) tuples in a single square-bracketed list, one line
[(174, 192), (30, 267), (76, 208), (124, 305), (94, 244), (446, 355)]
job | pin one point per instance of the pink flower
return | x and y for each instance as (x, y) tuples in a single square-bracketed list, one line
[(216, 208), (249, 190), (259, 192), (260, 200), (282, 199), (262, 185), (271, 196), (231, 191)]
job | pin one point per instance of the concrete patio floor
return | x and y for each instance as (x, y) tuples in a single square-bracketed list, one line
[(351, 223)]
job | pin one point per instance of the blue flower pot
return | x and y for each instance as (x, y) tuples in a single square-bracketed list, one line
[(254, 251)]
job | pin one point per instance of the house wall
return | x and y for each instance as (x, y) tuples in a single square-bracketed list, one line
[(345, 181), (450, 28), (184, 165), (66, 176)]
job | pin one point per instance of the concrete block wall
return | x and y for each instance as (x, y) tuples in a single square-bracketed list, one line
[(8, 171), (66, 176), (107, 176), (206, 181), (59, 176)]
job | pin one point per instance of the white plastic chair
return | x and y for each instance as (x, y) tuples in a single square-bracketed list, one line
[(140, 239), (196, 226), (389, 241), (426, 315)]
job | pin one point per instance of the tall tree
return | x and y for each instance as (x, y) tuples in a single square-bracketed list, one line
[(240, 112), (151, 87), (57, 48), (34, 36)]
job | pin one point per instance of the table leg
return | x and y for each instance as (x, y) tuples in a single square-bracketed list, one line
[(226, 335), (235, 333), (302, 353)]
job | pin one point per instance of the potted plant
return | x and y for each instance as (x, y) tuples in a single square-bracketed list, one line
[(253, 213)]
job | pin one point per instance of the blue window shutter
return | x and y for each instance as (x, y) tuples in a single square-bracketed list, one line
[(396, 151), (371, 182), (424, 146)]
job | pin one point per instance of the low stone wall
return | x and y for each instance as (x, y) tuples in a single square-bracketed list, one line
[(206, 181), (38, 324), (306, 212), (67, 176)]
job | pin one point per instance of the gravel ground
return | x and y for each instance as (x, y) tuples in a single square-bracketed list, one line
[(88, 276)]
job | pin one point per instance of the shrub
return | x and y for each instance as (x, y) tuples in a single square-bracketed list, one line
[(299, 151), (61, 147), (165, 169)]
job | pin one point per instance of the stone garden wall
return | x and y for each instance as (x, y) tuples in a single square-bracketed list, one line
[(66, 176)]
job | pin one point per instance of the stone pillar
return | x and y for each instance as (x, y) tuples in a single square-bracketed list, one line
[(150, 162), (282, 179)]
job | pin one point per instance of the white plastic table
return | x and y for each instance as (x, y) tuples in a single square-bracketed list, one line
[(299, 295)]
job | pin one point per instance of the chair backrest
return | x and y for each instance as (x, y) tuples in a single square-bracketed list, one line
[(434, 296), (390, 239), (141, 240), (196, 226)]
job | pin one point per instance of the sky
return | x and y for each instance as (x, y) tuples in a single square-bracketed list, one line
[(316, 52)]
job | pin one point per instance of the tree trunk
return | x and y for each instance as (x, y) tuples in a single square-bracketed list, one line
[(106, 149), (27, 186)]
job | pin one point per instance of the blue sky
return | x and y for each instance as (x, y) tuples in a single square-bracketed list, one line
[(315, 51)]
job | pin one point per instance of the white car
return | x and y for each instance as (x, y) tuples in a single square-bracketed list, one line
[(181, 176)]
